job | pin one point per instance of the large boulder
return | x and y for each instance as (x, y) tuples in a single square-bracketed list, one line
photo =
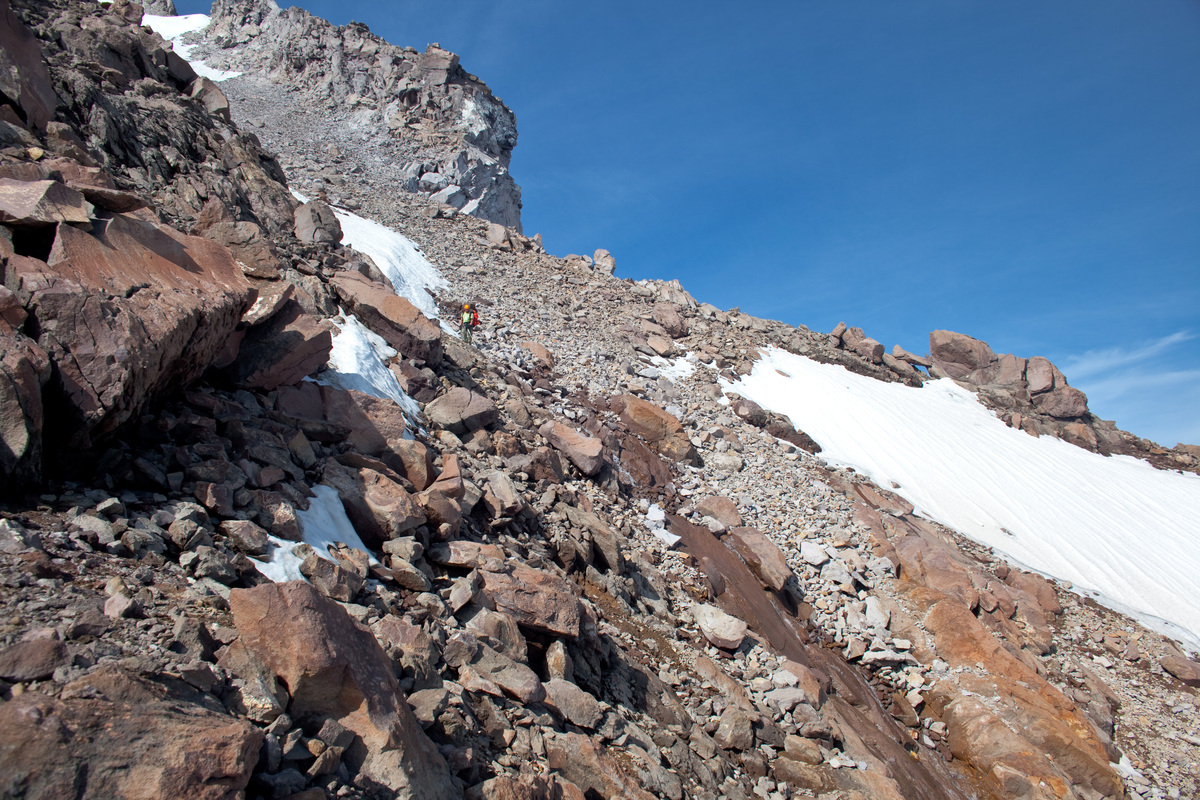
[(662, 431), (333, 667), (957, 354), (460, 411), (121, 736), (24, 370), (721, 629), (378, 506), (603, 261), (535, 599), (41, 204), (1062, 402), (394, 318), (585, 452), (125, 313), (316, 223), (23, 74), (765, 559), (283, 350), (248, 243)]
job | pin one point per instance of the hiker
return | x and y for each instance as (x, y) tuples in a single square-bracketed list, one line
[(470, 321)]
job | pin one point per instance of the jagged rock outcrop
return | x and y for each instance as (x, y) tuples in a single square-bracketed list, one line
[(456, 139)]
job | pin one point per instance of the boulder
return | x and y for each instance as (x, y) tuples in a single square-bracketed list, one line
[(660, 430), (289, 346), (763, 556), (585, 452), (604, 538), (333, 667), (735, 731), (957, 354), (583, 761), (209, 95), (394, 318), (379, 507), (24, 78), (535, 599), (271, 297), (902, 354), (460, 411), (668, 317), (251, 248), (32, 660), (722, 509), (723, 630), (855, 340), (1184, 669), (41, 204), (1039, 375), (126, 313), (1062, 402), (24, 371), (603, 261), (574, 704), (317, 223), (750, 411), (122, 736)]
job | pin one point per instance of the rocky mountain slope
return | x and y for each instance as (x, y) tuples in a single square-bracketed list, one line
[(572, 571)]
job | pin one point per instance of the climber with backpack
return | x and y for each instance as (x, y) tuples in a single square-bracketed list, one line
[(470, 320)]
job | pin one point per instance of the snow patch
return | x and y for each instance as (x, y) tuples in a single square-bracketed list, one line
[(323, 525), (358, 362), (1115, 527), (676, 369), (174, 28), (397, 257)]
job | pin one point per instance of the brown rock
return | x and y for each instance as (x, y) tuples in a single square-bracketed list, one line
[(540, 352), (722, 509), (316, 222), (282, 351), (799, 775), (416, 460), (211, 97), (668, 317), (272, 295), (128, 312), (469, 555), (251, 248), (582, 761), (585, 452), (855, 340), (379, 508), (394, 318), (765, 559), (460, 411), (535, 599), (41, 203), (333, 667), (574, 704), (735, 731), (1063, 402), (957, 354), (121, 736), (1184, 669), (331, 579), (23, 74), (32, 660), (750, 411), (24, 371), (659, 429), (638, 465), (1039, 375)]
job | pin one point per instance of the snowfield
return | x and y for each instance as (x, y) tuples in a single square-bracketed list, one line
[(1115, 527), (173, 28)]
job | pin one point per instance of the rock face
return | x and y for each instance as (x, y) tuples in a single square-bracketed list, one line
[(121, 736), (334, 668), (399, 94)]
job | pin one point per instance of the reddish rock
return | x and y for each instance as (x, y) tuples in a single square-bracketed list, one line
[(251, 248), (1063, 402), (32, 660), (128, 312), (1184, 669), (765, 559), (585, 452), (722, 509), (272, 295), (333, 667), (573, 703), (24, 371), (581, 760), (855, 340), (450, 481), (417, 462), (41, 203), (460, 411), (957, 354), (1039, 375), (658, 428), (535, 599), (282, 351), (394, 318), (638, 465), (379, 508), (540, 352), (330, 579), (121, 736), (668, 317), (750, 411), (23, 74)]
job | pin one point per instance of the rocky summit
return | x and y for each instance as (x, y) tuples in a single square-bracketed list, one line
[(546, 565)]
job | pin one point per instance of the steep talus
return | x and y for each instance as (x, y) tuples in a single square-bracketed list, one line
[(558, 563)]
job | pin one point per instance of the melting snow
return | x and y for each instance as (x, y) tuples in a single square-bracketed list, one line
[(324, 523), (677, 369), (1115, 527), (358, 362), (173, 28), (397, 257)]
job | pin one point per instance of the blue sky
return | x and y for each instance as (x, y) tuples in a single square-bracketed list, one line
[(1024, 172)]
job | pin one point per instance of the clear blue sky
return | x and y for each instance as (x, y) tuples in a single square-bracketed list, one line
[(1024, 172)]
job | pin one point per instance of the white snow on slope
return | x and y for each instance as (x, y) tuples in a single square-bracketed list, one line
[(397, 257), (358, 361), (173, 28), (1113, 526), (323, 524)]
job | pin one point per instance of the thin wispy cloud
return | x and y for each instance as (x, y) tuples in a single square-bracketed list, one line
[(1098, 363)]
